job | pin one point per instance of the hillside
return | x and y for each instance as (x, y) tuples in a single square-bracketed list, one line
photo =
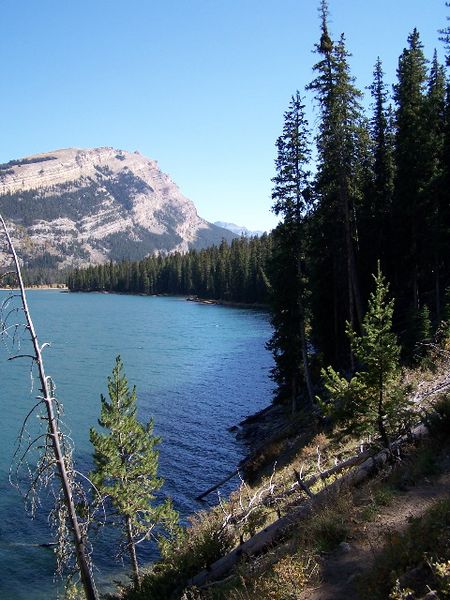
[(323, 516), (72, 206)]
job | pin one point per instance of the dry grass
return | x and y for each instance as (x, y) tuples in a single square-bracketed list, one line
[(284, 570)]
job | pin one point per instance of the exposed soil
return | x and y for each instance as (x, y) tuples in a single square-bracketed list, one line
[(341, 570)]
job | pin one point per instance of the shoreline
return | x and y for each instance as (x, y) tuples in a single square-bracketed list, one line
[(57, 287), (229, 303), (187, 298)]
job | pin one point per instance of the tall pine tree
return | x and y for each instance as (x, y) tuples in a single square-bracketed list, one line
[(410, 149), (343, 157), (376, 226), (435, 195), (292, 200)]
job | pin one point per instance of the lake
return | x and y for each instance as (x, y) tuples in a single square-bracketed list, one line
[(199, 369)]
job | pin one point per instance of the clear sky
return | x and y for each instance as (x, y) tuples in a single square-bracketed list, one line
[(199, 85)]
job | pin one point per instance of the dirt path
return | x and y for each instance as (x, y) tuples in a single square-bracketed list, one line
[(340, 569)]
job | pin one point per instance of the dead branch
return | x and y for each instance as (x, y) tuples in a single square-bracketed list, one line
[(217, 485), (270, 534)]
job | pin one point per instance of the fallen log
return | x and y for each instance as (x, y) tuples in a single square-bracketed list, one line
[(309, 482), (217, 485), (349, 462), (276, 530)]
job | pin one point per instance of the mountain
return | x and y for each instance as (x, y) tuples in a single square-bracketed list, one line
[(71, 207), (238, 229)]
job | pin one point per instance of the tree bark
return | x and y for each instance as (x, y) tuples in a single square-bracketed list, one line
[(303, 342)]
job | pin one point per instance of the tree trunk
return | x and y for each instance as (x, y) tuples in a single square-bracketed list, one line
[(294, 393), (355, 313), (437, 289), (54, 434), (132, 553), (303, 343)]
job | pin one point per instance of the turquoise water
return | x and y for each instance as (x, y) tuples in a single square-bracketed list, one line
[(198, 370)]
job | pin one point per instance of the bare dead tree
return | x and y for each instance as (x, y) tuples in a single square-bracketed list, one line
[(246, 514), (52, 443)]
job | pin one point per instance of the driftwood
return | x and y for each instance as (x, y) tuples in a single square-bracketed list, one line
[(214, 487), (270, 534)]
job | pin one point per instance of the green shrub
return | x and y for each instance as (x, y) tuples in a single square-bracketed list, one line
[(192, 549)]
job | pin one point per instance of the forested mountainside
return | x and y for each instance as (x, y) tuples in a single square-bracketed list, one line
[(72, 207)]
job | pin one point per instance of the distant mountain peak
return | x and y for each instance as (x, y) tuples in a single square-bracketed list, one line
[(238, 229), (76, 206)]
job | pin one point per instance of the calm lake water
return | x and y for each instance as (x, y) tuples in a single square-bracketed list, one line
[(199, 369)]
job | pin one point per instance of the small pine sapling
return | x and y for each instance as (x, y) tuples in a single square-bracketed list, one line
[(126, 465), (373, 400)]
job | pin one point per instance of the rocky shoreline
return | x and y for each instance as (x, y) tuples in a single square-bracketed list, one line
[(264, 435), (255, 430)]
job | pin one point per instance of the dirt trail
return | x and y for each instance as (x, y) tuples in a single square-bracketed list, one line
[(340, 569)]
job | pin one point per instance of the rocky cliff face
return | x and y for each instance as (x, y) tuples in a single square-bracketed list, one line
[(70, 207)]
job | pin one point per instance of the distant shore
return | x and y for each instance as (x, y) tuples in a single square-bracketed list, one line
[(188, 298), (227, 303), (56, 286)]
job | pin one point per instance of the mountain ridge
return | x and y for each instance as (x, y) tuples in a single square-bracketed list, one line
[(75, 206), (239, 229)]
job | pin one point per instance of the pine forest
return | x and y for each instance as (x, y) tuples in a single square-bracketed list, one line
[(376, 191)]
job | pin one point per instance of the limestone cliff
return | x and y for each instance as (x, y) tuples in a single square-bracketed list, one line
[(72, 206)]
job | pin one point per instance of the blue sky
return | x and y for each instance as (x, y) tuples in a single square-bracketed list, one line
[(199, 85)]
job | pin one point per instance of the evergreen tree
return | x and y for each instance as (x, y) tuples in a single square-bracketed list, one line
[(435, 193), (126, 464), (445, 33), (373, 400), (376, 226), (445, 37), (292, 200), (343, 157), (223, 273), (410, 155)]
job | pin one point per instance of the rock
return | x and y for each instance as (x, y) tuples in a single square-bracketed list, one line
[(72, 206), (345, 547)]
